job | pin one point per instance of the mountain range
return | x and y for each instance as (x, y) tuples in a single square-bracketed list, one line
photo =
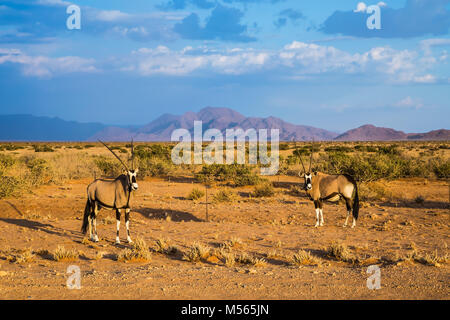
[(31, 128)]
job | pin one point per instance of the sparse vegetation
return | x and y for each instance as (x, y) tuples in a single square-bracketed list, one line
[(195, 194), (197, 252), (63, 254), (264, 190), (303, 257), (163, 246), (139, 252), (340, 252), (224, 195)]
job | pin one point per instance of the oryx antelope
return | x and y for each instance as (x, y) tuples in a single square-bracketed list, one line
[(111, 194), (324, 187)]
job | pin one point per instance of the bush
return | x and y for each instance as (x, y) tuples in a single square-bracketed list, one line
[(40, 171), (195, 194), (441, 168), (224, 195), (154, 167), (370, 168), (8, 186), (6, 162), (139, 252), (238, 174), (391, 149), (159, 151), (108, 167), (339, 149), (42, 148), (264, 190)]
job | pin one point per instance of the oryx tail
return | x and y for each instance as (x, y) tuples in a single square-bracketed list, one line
[(87, 212), (355, 208)]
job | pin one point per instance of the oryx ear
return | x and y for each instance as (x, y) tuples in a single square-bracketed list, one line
[(315, 173), (136, 170), (301, 174)]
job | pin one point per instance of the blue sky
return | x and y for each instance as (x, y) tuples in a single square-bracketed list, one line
[(307, 62)]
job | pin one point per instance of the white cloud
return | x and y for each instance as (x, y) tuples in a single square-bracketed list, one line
[(112, 15), (409, 102), (296, 60), (360, 7), (41, 66)]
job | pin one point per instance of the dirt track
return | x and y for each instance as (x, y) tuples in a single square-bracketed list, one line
[(52, 216)]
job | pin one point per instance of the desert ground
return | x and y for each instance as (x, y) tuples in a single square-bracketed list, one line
[(405, 237)]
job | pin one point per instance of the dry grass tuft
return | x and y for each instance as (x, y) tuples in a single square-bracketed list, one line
[(233, 242), (305, 258), (195, 194), (21, 256), (63, 254), (163, 246), (433, 259), (138, 253), (224, 195), (340, 252), (197, 252)]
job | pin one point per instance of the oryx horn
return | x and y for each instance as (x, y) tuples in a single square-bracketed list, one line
[(312, 152), (132, 154), (118, 158)]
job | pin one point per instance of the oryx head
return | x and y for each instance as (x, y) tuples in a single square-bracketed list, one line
[(130, 173), (307, 175), (132, 182)]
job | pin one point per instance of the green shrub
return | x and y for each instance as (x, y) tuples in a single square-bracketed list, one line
[(159, 151), (40, 171), (339, 149), (6, 162), (264, 190), (441, 168), (108, 167), (391, 149), (154, 167), (195, 194), (224, 195), (238, 174), (42, 148), (8, 186)]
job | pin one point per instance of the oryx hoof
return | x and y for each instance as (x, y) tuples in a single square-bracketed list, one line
[(317, 225), (130, 241), (344, 226), (117, 241)]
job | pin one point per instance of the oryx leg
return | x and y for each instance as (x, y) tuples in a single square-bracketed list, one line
[(117, 225), (316, 205), (348, 204), (91, 210), (127, 224), (94, 236), (321, 212)]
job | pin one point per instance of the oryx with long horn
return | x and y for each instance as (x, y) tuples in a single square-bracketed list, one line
[(114, 194), (324, 187)]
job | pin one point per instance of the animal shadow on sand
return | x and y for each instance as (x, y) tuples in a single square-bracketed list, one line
[(35, 225), (163, 214)]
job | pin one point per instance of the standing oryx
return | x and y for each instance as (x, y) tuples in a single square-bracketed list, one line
[(110, 194), (320, 186)]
